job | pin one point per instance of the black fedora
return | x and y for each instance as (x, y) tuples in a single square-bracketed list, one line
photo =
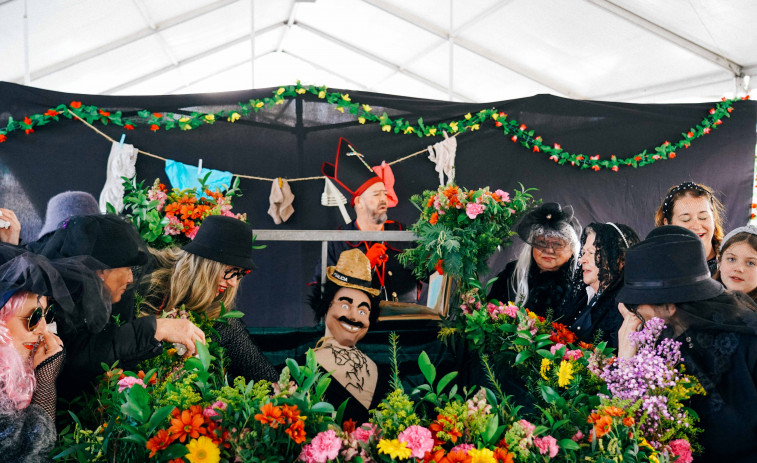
[(669, 267), (224, 239)]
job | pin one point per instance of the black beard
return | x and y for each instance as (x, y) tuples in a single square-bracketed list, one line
[(350, 322)]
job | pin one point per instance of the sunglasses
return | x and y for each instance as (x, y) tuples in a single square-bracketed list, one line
[(555, 246), (48, 313), (232, 273)]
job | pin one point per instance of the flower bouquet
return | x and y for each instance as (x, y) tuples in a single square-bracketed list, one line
[(172, 217), (459, 229)]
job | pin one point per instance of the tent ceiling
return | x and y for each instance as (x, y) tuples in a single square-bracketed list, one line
[(621, 50)]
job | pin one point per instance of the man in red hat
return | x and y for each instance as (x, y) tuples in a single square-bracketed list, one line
[(372, 192)]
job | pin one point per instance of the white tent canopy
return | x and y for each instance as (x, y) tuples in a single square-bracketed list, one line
[(464, 50)]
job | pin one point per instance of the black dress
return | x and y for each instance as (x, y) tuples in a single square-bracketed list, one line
[(587, 317), (726, 365), (336, 394), (546, 290), (247, 360)]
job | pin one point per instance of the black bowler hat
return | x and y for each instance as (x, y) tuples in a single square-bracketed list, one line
[(669, 267), (664, 230), (224, 239)]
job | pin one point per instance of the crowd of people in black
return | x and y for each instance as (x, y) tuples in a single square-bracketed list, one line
[(69, 304)]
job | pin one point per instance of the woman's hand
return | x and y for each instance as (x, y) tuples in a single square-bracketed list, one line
[(181, 331), (49, 345), (631, 324)]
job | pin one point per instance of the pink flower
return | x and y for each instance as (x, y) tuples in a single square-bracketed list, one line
[(192, 233), (472, 210), (528, 428), (555, 348), (364, 432), (503, 194), (210, 411), (682, 449), (324, 447), (577, 436), (158, 195), (465, 309), (418, 440), (462, 448), (128, 381), (573, 354), (511, 311), (547, 444), (173, 227)]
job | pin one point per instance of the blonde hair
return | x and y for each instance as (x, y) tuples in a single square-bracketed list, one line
[(188, 279)]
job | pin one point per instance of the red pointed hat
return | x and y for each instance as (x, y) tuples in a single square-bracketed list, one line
[(352, 172)]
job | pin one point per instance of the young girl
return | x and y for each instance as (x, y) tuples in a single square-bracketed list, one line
[(738, 261)]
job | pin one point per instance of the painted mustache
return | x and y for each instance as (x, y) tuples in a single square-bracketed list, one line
[(350, 322)]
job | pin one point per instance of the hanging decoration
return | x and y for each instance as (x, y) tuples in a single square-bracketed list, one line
[(516, 131)]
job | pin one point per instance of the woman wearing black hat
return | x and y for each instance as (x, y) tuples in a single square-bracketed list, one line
[(540, 279), (592, 307), (91, 335), (31, 357), (202, 276), (666, 276)]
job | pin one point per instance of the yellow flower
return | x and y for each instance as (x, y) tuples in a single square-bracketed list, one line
[(301, 91), (171, 352), (545, 365), (394, 448), (565, 374), (495, 116), (468, 116), (280, 90), (475, 127), (209, 118), (367, 108), (346, 97), (322, 94), (409, 129), (432, 131), (259, 104), (184, 119), (481, 456), (234, 117), (203, 450), (453, 126), (281, 101), (361, 120), (386, 128), (340, 109)]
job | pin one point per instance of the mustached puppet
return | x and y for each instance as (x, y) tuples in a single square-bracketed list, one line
[(348, 307)]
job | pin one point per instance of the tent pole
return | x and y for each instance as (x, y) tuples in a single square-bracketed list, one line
[(27, 71), (451, 55), (252, 43)]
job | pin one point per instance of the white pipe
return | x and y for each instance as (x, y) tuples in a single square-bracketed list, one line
[(252, 43), (451, 55), (27, 71)]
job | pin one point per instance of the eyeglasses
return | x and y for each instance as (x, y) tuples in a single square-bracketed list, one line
[(232, 273), (48, 313), (555, 246)]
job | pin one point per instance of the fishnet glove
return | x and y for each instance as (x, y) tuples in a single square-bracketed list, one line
[(246, 357), (46, 373)]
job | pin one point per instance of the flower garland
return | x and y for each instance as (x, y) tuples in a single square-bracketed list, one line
[(516, 131)]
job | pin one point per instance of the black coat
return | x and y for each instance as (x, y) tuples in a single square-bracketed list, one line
[(546, 290), (586, 318), (336, 394)]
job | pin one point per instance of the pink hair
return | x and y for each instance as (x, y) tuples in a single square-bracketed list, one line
[(17, 380)]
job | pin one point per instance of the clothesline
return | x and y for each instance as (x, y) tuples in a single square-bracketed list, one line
[(251, 177)]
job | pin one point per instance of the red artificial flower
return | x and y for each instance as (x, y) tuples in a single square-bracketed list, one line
[(672, 155), (76, 104), (523, 127), (594, 158), (614, 168), (595, 167), (177, 460), (746, 98), (498, 124), (718, 122), (27, 121), (51, 113), (154, 127), (103, 113), (535, 149), (159, 442), (502, 114), (706, 130), (558, 147), (690, 135), (637, 158), (712, 110), (187, 424), (270, 415), (2, 137), (514, 138), (439, 267), (28, 131), (129, 127), (349, 426), (158, 115), (579, 158), (730, 110)]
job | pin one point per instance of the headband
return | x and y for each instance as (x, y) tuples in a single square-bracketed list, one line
[(667, 204), (620, 232), (746, 229)]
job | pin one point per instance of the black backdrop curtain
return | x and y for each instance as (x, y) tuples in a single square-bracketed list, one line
[(293, 139)]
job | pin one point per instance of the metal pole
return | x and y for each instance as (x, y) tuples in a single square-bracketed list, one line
[(27, 71), (252, 42), (451, 54)]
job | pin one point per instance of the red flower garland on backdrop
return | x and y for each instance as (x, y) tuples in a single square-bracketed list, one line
[(517, 132)]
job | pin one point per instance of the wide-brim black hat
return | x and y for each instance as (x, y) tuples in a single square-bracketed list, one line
[(667, 268), (224, 239), (549, 216)]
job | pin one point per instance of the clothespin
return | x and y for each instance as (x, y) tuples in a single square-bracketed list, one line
[(281, 182), (121, 143), (199, 168)]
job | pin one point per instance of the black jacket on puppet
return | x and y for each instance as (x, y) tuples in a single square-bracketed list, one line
[(115, 243), (546, 290)]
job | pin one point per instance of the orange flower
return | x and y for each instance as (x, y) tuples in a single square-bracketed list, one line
[(431, 201), (349, 426), (293, 414), (502, 455), (585, 345), (434, 218), (51, 113), (76, 104), (271, 415), (153, 379), (177, 460), (297, 431), (628, 421), (457, 456), (129, 127), (158, 115), (435, 456), (187, 424), (159, 442), (602, 426), (154, 127), (103, 113), (613, 411)]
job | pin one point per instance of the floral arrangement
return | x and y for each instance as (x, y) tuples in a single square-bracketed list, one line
[(172, 217), (459, 229)]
